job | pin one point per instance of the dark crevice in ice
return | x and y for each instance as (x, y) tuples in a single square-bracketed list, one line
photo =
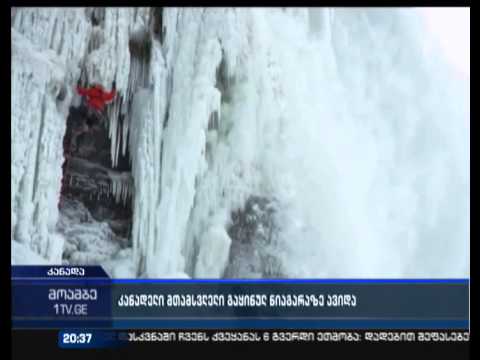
[(223, 81), (97, 16), (87, 172), (158, 29)]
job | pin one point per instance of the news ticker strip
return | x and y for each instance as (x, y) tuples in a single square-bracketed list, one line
[(85, 338), (84, 297)]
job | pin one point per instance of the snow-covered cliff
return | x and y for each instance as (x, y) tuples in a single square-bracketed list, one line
[(262, 142)]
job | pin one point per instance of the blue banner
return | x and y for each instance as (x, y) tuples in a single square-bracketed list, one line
[(48, 272), (40, 301)]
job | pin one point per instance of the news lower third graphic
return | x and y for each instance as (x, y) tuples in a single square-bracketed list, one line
[(84, 297)]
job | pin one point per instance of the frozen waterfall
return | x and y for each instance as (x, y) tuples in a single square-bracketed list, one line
[(262, 142)]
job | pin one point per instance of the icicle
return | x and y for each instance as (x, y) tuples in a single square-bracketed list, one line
[(125, 135), (113, 136), (127, 192), (117, 148), (114, 192), (123, 192), (114, 132)]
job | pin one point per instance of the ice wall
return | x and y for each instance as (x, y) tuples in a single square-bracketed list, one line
[(341, 118), (44, 62), (51, 50)]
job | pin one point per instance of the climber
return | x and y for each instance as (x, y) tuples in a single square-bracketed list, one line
[(96, 99), (91, 113)]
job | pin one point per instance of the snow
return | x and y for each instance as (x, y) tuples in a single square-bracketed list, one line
[(343, 118), (22, 255), (213, 255), (37, 129), (120, 265)]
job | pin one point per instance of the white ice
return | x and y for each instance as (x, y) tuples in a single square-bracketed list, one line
[(357, 129)]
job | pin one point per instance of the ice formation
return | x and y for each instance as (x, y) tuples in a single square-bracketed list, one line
[(339, 120), (89, 242)]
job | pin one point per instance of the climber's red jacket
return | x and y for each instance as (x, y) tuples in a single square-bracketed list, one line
[(96, 96)]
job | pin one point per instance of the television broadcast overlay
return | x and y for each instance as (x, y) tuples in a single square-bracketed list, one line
[(252, 175), (96, 311)]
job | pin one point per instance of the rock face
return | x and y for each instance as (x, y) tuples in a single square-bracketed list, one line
[(253, 231), (254, 222)]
